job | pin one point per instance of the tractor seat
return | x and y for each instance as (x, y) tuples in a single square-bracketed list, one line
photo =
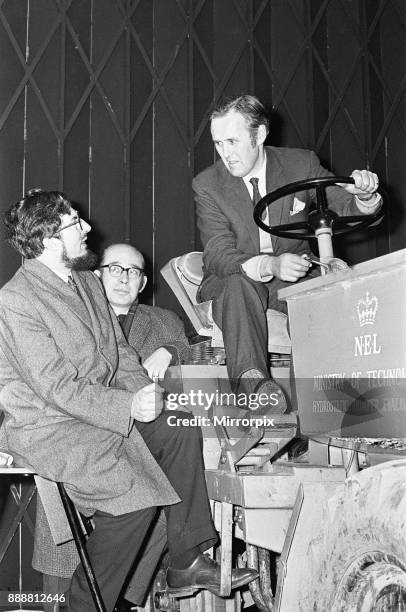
[(184, 275)]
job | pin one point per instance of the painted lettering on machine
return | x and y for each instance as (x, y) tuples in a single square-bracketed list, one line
[(368, 343), (349, 352), (365, 344)]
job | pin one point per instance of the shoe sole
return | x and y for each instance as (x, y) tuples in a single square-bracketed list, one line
[(192, 588)]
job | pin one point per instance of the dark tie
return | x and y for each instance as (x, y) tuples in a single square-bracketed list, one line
[(73, 285), (256, 196), (121, 319)]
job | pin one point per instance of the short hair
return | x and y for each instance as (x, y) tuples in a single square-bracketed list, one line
[(35, 217), (249, 106), (119, 244)]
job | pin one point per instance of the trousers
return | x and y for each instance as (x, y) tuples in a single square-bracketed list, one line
[(116, 540), (239, 309)]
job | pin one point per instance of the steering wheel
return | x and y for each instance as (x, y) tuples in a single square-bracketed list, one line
[(320, 218)]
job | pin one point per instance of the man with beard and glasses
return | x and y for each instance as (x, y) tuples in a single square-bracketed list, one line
[(80, 409)]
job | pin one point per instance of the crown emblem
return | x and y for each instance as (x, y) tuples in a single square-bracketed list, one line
[(367, 309)]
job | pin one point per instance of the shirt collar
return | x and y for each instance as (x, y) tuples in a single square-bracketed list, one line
[(260, 175), (63, 275)]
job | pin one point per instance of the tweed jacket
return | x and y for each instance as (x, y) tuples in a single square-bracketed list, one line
[(66, 387), (228, 231), (153, 327)]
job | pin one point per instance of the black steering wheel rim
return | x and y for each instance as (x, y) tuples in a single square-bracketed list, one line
[(322, 217)]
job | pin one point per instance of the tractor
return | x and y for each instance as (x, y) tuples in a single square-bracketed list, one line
[(326, 528)]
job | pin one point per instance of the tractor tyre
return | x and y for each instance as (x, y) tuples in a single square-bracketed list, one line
[(359, 560)]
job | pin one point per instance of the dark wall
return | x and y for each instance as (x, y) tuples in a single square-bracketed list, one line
[(109, 101)]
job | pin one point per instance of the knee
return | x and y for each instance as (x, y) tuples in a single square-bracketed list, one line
[(240, 286), (235, 282)]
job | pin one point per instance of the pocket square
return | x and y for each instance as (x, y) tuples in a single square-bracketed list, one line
[(298, 205)]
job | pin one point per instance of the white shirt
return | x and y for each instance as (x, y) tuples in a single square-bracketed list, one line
[(63, 275), (252, 266)]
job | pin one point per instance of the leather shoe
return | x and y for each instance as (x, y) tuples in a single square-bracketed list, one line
[(204, 573), (254, 383), (277, 399)]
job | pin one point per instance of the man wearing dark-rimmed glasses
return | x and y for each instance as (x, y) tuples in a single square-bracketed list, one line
[(155, 333)]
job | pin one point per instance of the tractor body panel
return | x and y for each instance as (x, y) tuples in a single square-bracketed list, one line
[(348, 332)]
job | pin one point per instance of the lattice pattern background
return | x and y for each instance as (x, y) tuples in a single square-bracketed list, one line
[(108, 100)]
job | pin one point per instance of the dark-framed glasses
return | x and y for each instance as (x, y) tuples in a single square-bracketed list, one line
[(76, 221), (116, 270)]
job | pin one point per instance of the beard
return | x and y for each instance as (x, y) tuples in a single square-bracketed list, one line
[(87, 261)]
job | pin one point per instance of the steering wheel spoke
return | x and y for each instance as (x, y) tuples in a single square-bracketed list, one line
[(320, 218), (357, 221), (302, 229)]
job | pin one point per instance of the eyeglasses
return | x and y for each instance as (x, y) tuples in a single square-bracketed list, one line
[(77, 221), (116, 270)]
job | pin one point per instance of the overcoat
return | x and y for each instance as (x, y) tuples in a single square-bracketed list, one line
[(151, 328), (66, 388)]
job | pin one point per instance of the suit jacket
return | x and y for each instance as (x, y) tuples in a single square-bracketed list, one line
[(66, 387), (224, 208), (153, 327)]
